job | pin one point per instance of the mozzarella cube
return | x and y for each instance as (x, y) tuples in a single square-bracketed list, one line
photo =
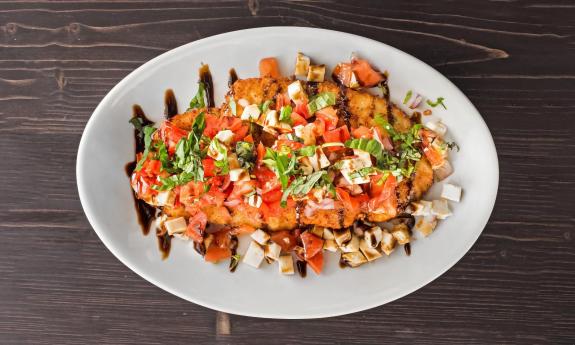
[(243, 102), (426, 225), (260, 236), (302, 63), (254, 200), (349, 168), (330, 245), (440, 209), (373, 236), (322, 159), (286, 264), (225, 136), (421, 208), (354, 259), (328, 234), (254, 255), (176, 225), (314, 162), (238, 175), (251, 113), (272, 251), (437, 127), (316, 73), (216, 150), (401, 233), (271, 119), (368, 251), (388, 243), (296, 91), (351, 246), (164, 198), (298, 131), (342, 236), (451, 192), (443, 171)]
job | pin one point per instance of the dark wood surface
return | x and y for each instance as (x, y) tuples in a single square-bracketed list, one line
[(514, 59)]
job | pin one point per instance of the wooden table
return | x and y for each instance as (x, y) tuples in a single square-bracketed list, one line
[(514, 59)]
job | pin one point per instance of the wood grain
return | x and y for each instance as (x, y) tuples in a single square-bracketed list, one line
[(514, 60)]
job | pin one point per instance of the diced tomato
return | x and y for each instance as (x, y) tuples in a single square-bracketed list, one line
[(269, 68), (285, 239), (365, 74), (214, 197), (272, 196), (196, 226), (209, 167), (301, 108), (386, 200), (329, 116), (265, 211), (338, 135), (249, 139), (171, 135), (362, 132), (191, 191), (261, 152), (263, 175), (348, 202), (433, 155), (240, 133), (215, 254), (318, 127), (311, 244), (297, 119), (212, 125), (316, 262)]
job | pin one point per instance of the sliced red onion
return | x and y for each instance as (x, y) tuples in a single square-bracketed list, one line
[(416, 101)]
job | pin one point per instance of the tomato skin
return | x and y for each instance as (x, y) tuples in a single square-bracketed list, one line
[(365, 74), (242, 188), (297, 119), (362, 132), (212, 125), (240, 133), (171, 135), (311, 244), (301, 108), (269, 68), (249, 139), (191, 191), (282, 100), (338, 135), (196, 226), (285, 239), (318, 127), (215, 254), (294, 145), (316, 262), (329, 116), (261, 150), (344, 134), (209, 167), (386, 200), (243, 229)]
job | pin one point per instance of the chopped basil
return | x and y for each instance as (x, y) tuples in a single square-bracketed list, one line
[(265, 106), (234, 261), (439, 101), (285, 114), (307, 151), (233, 106), (301, 186), (363, 172), (371, 146), (281, 163), (221, 151), (320, 101), (138, 124), (199, 100), (148, 131), (407, 96)]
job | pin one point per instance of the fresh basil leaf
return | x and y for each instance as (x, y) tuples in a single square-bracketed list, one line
[(148, 131), (307, 151), (246, 156), (199, 100), (285, 114), (320, 101), (265, 106), (439, 101), (301, 186)]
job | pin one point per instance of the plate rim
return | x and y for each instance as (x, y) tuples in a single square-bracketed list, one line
[(83, 194)]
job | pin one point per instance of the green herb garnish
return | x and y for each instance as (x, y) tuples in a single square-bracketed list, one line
[(320, 101), (245, 152), (285, 114), (265, 106), (307, 151), (302, 185), (148, 131), (407, 96), (439, 101), (199, 99), (281, 163)]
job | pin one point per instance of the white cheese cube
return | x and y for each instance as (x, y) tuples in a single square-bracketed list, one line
[(368, 251), (305, 165), (260, 236), (217, 150), (316, 73), (330, 245), (443, 171), (238, 174), (349, 168), (350, 246), (401, 233), (176, 225), (298, 131), (421, 208), (354, 259), (243, 102), (251, 113), (225, 136), (373, 236), (164, 198), (296, 91), (322, 159), (286, 264), (426, 225), (254, 200), (272, 251), (437, 127), (302, 63), (254, 255), (271, 119), (440, 209), (328, 234), (342, 236), (388, 243), (313, 160), (365, 157), (451, 192)]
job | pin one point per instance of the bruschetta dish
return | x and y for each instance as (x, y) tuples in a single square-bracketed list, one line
[(301, 163)]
